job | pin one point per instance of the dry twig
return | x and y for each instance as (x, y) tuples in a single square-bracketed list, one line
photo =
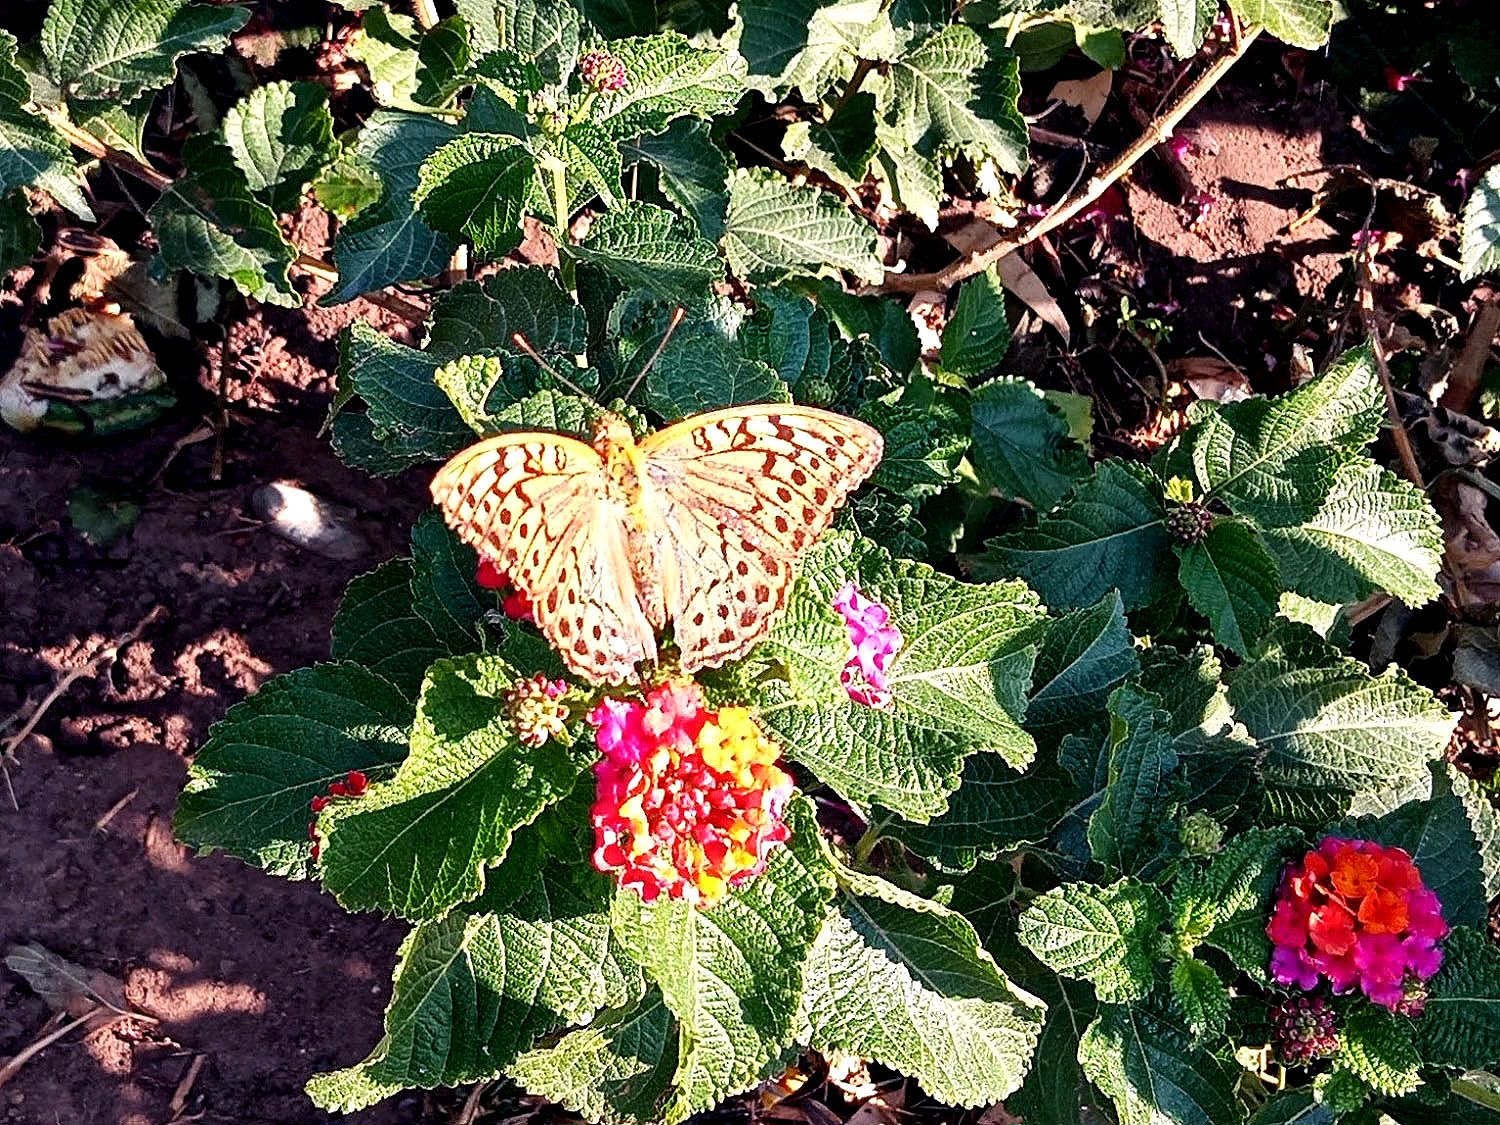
[(1468, 368), (41, 1043)]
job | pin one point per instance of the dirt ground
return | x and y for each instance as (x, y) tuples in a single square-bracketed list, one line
[(267, 981)]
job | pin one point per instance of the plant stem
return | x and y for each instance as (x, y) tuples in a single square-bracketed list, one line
[(1476, 1092), (866, 845), (861, 70), (560, 211), (1013, 240)]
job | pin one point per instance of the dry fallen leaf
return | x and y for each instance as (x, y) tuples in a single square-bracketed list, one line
[(67, 987), (1088, 94), (1210, 378)]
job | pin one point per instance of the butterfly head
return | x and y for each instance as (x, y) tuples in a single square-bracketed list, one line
[(611, 432)]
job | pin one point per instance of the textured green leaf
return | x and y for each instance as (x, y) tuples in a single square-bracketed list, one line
[(915, 181), (377, 626), (667, 78), (1084, 656), (958, 682), (1021, 442), (840, 147), (592, 163), (20, 234), (1480, 247), (706, 371), (443, 58), (1200, 998), (774, 229), (807, 44), (1227, 903), (209, 222), (1107, 535), (31, 153), (732, 974), (1484, 823), (952, 94), (1185, 24), (417, 845), (281, 135), (977, 335), (1376, 1046), (474, 188), (1154, 1076), (619, 1069), (1324, 723), (1104, 935), (545, 35), (648, 247), (1372, 532), (924, 443), (1055, 1091), (444, 593), (408, 410), (249, 786), (117, 48), (387, 44), (1130, 829), (1292, 1107), (475, 989), (482, 317), (1274, 460), (1232, 580), (693, 171), (1302, 23), (903, 981), (391, 241), (1461, 1023)]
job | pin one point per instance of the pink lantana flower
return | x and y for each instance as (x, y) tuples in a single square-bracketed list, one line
[(875, 640), (1356, 914), (690, 802)]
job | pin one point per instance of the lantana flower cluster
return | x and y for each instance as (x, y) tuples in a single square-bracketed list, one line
[(690, 802), (1356, 914), (875, 639), (513, 603), (354, 784)]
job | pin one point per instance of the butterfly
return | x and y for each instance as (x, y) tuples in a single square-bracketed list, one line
[(696, 527)]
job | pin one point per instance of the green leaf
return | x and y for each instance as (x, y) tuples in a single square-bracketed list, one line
[(377, 626), (619, 1069), (474, 188), (1274, 460), (408, 410), (1376, 1046), (977, 335), (418, 844), (1484, 823), (648, 247), (592, 162), (1107, 535), (732, 974), (32, 154), (1128, 832), (481, 317), (1237, 888), (953, 94), (249, 786), (902, 981), (808, 44), (958, 682), (391, 241), (1302, 23), (774, 229), (693, 171), (924, 443), (994, 809), (1324, 723), (281, 135), (20, 234), (443, 58), (1480, 245), (1292, 1107), (1153, 1074), (667, 78), (545, 35), (1185, 24), (115, 49), (1232, 580), (210, 223), (1103, 935), (1022, 446), (1084, 656), (1055, 1091), (387, 44), (840, 147), (704, 371), (444, 593), (475, 989), (1461, 1024), (1372, 532), (1200, 998)]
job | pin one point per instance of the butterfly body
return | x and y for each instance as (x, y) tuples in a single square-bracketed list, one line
[(695, 528)]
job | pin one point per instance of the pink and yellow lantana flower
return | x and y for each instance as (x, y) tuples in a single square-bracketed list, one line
[(689, 801), (1355, 913)]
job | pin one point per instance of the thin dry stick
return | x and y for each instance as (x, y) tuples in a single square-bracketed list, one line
[(1464, 378), (470, 1109), (13, 1067), (1013, 240), (1399, 435), (103, 657), (317, 267), (185, 1087)]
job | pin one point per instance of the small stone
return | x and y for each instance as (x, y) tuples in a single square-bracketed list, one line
[(309, 521)]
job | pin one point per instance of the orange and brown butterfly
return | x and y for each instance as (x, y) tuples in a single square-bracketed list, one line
[(696, 527)]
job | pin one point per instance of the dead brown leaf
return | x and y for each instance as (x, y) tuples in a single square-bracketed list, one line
[(67, 987), (1088, 94)]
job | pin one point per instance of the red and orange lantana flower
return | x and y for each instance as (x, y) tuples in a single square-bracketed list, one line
[(689, 801)]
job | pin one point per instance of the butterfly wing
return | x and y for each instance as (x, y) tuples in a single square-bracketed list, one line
[(535, 505), (732, 497)]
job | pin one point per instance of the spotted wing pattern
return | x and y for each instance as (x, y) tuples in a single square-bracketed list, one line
[(535, 504), (731, 499)]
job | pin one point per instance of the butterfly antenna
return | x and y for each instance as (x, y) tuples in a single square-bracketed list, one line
[(677, 317), (525, 345)]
